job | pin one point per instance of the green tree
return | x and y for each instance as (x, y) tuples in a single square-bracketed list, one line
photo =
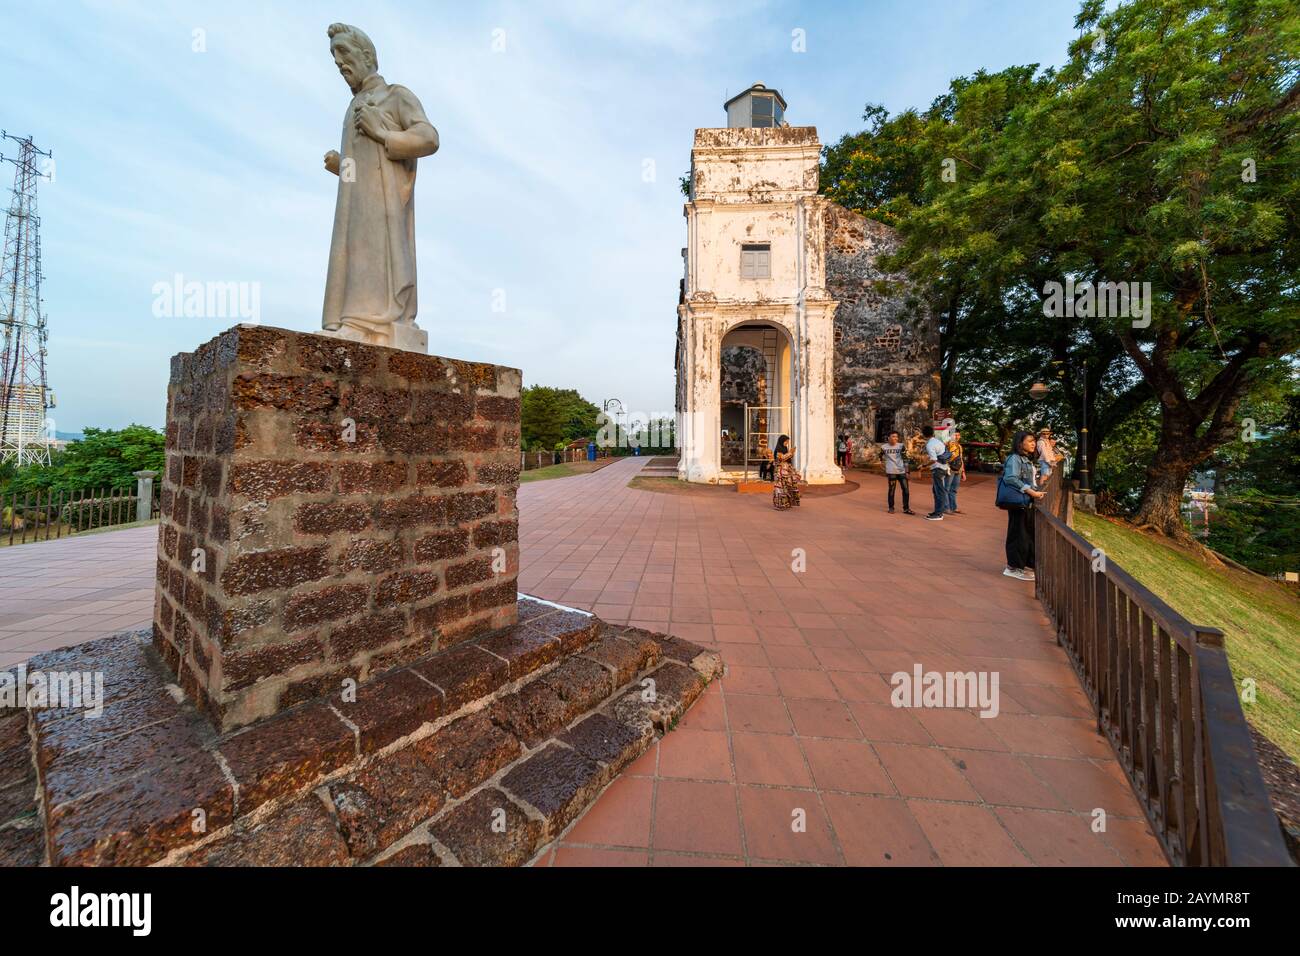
[(103, 458), (1163, 152), (550, 417), (953, 181), (1173, 142), (1256, 516)]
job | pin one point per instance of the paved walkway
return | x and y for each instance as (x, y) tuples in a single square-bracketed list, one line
[(57, 593), (801, 729), (796, 756)]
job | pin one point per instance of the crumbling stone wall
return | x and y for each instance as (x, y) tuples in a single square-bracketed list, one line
[(744, 376), (886, 340), (330, 510)]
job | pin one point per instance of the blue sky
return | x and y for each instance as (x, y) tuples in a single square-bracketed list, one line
[(208, 164)]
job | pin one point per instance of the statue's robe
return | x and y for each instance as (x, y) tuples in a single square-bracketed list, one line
[(371, 281)]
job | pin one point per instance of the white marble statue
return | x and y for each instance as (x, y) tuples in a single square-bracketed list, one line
[(370, 289)]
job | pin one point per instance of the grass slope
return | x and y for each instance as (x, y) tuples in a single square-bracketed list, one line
[(565, 469), (1260, 618)]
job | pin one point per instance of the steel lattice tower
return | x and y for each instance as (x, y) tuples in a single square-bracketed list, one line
[(24, 395)]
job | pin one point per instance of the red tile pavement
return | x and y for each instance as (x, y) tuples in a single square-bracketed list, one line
[(796, 756), (57, 593)]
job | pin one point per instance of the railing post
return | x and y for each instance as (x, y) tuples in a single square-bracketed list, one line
[(1234, 786), (144, 494)]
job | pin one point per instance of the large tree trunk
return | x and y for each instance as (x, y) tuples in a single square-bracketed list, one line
[(1183, 443), (1161, 508)]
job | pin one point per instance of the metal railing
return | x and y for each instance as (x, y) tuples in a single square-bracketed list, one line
[(1164, 695), (760, 449), (46, 515)]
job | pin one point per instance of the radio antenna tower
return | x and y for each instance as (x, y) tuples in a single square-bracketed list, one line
[(24, 395)]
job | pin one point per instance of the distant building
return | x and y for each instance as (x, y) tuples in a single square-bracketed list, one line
[(783, 310)]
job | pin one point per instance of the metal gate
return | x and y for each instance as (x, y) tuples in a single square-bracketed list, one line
[(763, 425)]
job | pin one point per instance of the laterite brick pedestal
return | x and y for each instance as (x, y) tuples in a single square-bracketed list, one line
[(340, 669)]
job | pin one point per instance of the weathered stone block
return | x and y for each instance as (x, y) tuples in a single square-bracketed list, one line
[(574, 629), (623, 658), (523, 649), (488, 830), (602, 738), (300, 834), (385, 801), (22, 845), (390, 707), (558, 782), (466, 752), (464, 674), (412, 855), (140, 821), (282, 449), (533, 714), (286, 754)]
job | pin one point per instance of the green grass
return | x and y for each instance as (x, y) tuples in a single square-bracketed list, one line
[(566, 469), (672, 486), (562, 470), (1260, 618)]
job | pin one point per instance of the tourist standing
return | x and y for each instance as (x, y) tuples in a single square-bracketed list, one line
[(785, 489), (1047, 454), (893, 454), (1019, 472), (936, 451), (957, 465), (842, 452)]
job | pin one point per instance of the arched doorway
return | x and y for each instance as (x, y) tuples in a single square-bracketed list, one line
[(755, 395)]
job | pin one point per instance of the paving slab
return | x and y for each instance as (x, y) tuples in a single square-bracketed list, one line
[(796, 756)]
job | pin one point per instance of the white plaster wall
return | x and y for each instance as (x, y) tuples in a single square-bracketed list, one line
[(756, 185)]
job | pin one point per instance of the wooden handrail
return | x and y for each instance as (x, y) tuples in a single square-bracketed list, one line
[(1164, 695)]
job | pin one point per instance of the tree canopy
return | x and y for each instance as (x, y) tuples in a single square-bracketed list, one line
[(1163, 152), (553, 417), (103, 458)]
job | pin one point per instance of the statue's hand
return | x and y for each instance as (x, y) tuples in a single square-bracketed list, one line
[(370, 121), (332, 161)]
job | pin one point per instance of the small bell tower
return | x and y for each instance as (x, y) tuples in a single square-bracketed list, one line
[(755, 108)]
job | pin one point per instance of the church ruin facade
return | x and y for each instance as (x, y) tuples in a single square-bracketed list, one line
[(785, 322)]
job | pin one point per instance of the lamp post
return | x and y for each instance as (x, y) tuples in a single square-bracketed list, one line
[(604, 406), (1085, 483)]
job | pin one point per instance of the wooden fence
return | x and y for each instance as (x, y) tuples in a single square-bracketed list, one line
[(528, 460), (1164, 695), (45, 515)]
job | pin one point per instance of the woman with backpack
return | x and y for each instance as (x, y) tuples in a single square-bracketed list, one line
[(1017, 491)]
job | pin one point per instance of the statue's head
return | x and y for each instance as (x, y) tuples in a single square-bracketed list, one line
[(354, 54)]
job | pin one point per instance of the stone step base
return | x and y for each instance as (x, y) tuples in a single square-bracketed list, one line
[(754, 487), (515, 814), (535, 719)]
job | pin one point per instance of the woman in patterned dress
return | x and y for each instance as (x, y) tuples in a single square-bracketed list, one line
[(785, 489)]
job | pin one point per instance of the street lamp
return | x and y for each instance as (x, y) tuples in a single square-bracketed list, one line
[(1084, 482), (605, 408)]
